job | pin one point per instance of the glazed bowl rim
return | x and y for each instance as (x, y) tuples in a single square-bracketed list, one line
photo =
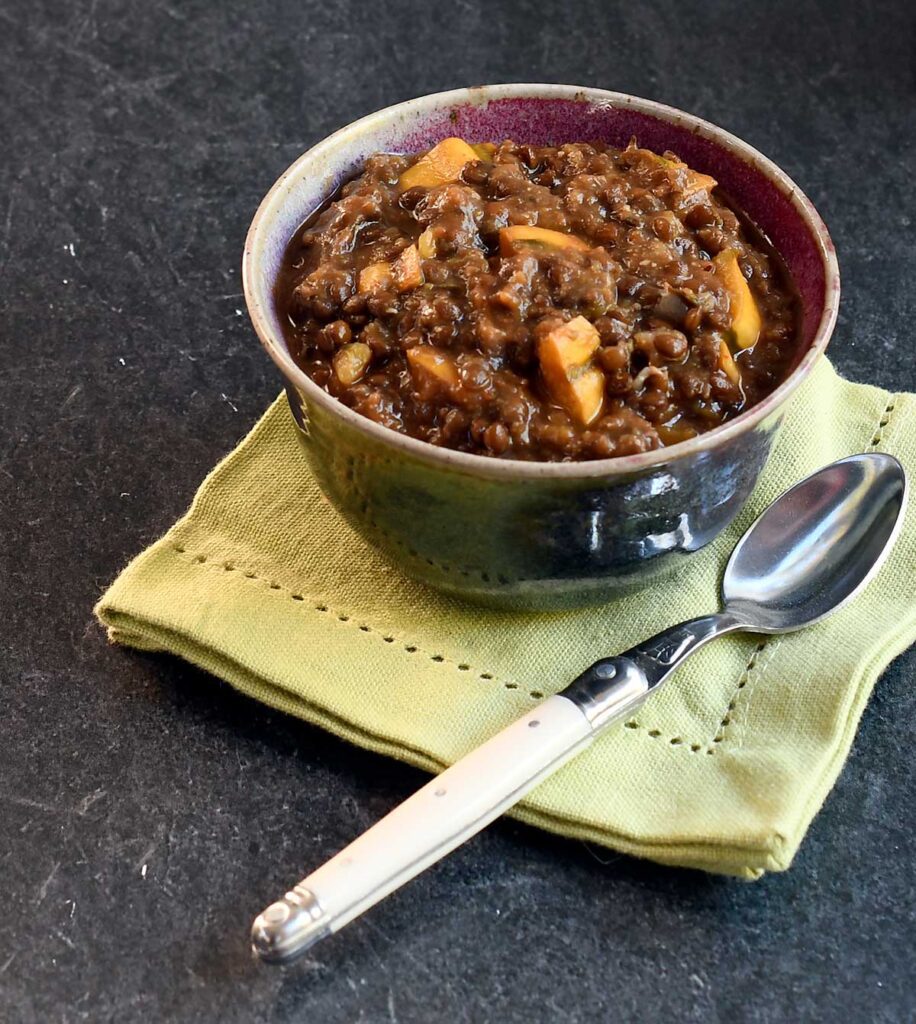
[(517, 469)]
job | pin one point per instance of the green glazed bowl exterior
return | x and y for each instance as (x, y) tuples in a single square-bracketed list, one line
[(527, 535)]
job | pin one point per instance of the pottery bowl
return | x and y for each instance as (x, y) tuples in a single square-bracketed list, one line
[(527, 534)]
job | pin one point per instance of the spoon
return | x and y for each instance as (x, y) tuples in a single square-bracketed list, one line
[(808, 554)]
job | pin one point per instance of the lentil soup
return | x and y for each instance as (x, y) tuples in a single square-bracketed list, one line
[(541, 303)]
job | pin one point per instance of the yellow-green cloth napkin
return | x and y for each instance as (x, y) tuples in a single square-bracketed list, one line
[(263, 584)]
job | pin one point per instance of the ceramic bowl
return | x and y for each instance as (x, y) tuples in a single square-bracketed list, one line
[(522, 534)]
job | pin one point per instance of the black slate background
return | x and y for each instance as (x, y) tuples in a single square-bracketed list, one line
[(146, 811)]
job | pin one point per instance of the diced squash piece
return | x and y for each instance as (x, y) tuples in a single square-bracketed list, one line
[(431, 365), (525, 236), (697, 182), (587, 395), (574, 382), (693, 180), (674, 433), (571, 344), (442, 164), (407, 272), (745, 315), (426, 245), (727, 363), (484, 150), (376, 277), (351, 361)]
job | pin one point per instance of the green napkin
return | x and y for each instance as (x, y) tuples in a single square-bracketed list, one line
[(264, 585)]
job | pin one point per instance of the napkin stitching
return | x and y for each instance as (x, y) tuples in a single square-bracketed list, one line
[(748, 855), (769, 645), (324, 608), (657, 734), (885, 419), (223, 565), (722, 731)]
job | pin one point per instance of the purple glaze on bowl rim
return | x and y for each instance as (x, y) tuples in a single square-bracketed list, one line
[(542, 115)]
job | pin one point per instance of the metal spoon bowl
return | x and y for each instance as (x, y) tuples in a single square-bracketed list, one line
[(815, 547), (808, 554)]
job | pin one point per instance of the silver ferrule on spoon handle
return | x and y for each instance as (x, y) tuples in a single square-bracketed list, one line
[(651, 662), (439, 817)]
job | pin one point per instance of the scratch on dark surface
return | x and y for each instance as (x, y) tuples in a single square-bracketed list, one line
[(8, 227), (88, 20), (163, 249), (7, 962), (144, 857), (86, 281), (89, 800), (43, 889), (420, 966), (604, 858), (145, 87), (21, 801)]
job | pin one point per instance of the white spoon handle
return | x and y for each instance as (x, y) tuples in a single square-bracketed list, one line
[(468, 796), (443, 814)]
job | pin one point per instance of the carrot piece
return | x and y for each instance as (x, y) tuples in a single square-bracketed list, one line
[(691, 182), (697, 182), (674, 434), (442, 164)]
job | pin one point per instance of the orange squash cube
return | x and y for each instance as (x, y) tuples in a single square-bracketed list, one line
[(697, 182), (572, 379), (426, 245), (430, 365), (693, 181), (524, 236), (746, 322), (376, 277), (407, 272), (442, 164)]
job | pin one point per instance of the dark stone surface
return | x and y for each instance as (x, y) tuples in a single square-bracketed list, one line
[(146, 811)]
